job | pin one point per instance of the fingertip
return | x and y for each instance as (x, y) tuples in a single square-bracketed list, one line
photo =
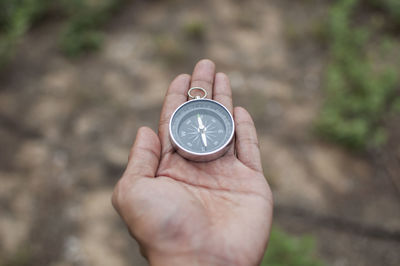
[(146, 137), (206, 62), (183, 76), (242, 112), (179, 84), (149, 135), (222, 85), (144, 155), (203, 76), (222, 75), (143, 130)]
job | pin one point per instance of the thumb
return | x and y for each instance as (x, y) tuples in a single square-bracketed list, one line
[(145, 155)]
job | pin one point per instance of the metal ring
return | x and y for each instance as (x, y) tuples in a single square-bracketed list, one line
[(197, 97)]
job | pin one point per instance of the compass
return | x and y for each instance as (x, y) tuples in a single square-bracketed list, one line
[(201, 129)]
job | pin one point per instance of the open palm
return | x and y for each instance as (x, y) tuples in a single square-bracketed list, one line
[(187, 213)]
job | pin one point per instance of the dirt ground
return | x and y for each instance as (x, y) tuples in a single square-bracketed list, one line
[(66, 126)]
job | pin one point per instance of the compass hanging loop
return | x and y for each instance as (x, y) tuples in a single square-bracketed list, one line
[(197, 97)]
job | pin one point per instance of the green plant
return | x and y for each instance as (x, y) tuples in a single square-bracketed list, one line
[(170, 49), (83, 22), (285, 250), (82, 32), (16, 18), (195, 30), (358, 93), (21, 257), (391, 8)]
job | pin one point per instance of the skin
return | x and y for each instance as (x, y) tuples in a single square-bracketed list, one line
[(187, 213)]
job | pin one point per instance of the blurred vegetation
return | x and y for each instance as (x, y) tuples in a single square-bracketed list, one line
[(360, 90), (170, 49), (16, 17), (390, 7), (83, 20), (85, 17), (284, 250), (195, 30), (22, 257)]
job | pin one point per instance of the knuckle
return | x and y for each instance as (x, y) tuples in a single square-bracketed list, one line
[(118, 193), (202, 83), (223, 97), (115, 197), (164, 120), (249, 141), (240, 109), (130, 153), (244, 123)]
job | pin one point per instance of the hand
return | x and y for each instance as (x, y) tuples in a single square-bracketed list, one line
[(187, 213)]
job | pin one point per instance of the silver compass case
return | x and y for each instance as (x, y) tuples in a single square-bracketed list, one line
[(201, 130)]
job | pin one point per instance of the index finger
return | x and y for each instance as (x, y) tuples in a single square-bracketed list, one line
[(176, 95)]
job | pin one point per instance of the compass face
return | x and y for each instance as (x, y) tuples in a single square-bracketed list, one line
[(201, 127)]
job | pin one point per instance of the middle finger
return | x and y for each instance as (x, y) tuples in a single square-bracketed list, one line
[(203, 76)]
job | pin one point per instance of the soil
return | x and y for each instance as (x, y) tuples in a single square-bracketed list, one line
[(66, 126)]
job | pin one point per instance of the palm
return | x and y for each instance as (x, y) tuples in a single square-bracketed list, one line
[(220, 209)]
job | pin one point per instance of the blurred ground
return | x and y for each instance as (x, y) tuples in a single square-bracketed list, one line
[(66, 127)]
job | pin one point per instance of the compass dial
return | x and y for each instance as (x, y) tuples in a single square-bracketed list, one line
[(201, 127)]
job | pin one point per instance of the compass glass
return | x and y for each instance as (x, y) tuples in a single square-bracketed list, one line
[(202, 126)]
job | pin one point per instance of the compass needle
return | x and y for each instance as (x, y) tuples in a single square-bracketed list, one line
[(204, 139), (200, 121)]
